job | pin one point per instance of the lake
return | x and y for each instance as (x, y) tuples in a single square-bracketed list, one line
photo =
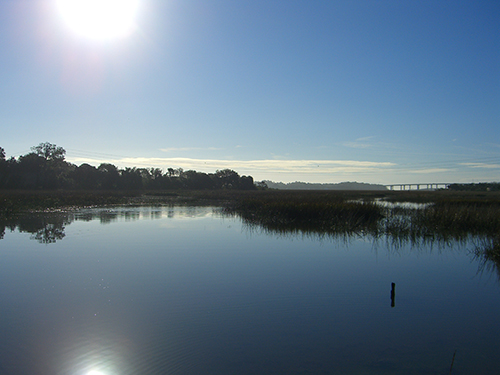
[(185, 290)]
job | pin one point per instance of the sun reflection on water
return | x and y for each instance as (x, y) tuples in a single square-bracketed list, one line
[(95, 372), (100, 360)]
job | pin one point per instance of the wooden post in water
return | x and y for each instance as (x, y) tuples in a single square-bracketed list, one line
[(393, 294), (453, 360)]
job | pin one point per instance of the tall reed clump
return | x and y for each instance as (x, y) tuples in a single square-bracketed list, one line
[(307, 212), (441, 222), (472, 217), (487, 251), (447, 218)]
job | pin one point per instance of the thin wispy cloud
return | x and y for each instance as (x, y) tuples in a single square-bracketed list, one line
[(364, 139), (178, 149), (310, 170), (360, 142), (356, 145), (481, 165), (251, 167), (497, 145), (431, 170)]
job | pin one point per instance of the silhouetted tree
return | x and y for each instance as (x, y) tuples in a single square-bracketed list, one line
[(109, 176), (49, 151), (86, 177), (246, 183), (197, 180), (145, 177), (131, 179), (33, 172), (9, 175), (261, 185), (227, 179), (45, 168), (3, 169), (156, 180)]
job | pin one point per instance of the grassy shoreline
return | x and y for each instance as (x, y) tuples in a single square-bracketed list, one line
[(447, 215), (447, 212), (17, 200)]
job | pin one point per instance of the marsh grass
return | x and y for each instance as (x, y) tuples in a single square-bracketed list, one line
[(320, 213), (447, 217), (487, 252), (448, 214), (444, 221), (454, 216), (473, 217)]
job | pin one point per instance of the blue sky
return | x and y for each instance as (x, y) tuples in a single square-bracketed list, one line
[(318, 91)]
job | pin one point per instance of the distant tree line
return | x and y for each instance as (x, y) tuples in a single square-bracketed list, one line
[(482, 186), (45, 168)]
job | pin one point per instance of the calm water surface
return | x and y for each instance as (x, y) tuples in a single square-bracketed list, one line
[(185, 291)]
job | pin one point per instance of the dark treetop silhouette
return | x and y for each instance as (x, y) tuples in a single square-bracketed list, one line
[(45, 168)]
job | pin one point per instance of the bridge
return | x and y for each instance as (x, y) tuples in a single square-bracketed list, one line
[(419, 186)]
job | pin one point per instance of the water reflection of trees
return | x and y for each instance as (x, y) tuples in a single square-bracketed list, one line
[(396, 230), (49, 234), (49, 227), (42, 227), (106, 216)]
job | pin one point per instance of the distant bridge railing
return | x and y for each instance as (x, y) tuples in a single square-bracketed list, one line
[(419, 186)]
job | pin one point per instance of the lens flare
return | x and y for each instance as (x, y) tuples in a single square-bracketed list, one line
[(99, 19)]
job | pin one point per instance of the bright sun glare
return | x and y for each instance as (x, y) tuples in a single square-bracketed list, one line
[(94, 372), (99, 19)]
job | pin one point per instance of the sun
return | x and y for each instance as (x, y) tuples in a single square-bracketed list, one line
[(99, 19)]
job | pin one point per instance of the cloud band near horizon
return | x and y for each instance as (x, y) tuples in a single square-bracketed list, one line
[(320, 171)]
